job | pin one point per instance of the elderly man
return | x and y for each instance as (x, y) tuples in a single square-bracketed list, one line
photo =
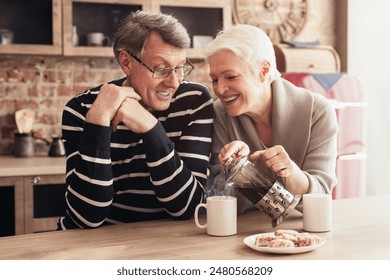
[(138, 148)]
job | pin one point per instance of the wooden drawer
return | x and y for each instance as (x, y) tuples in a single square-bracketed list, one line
[(317, 59)]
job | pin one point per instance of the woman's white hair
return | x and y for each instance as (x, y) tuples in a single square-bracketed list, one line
[(249, 43)]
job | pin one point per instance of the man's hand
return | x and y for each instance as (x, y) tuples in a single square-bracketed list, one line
[(134, 116), (108, 102)]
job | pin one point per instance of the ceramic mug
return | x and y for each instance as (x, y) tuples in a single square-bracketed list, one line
[(317, 212), (98, 39), (221, 215), (6, 36)]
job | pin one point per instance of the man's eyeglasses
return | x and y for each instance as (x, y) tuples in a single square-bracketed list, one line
[(161, 73)]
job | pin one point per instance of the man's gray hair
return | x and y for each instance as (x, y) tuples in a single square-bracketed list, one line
[(134, 31)]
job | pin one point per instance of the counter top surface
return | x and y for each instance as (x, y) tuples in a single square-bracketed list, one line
[(361, 231), (13, 166)]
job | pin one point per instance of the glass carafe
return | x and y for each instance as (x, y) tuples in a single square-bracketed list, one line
[(258, 184)]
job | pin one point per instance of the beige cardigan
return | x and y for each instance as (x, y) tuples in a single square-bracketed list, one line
[(304, 123)]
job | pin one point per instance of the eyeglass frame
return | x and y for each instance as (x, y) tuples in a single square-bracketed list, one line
[(165, 69)]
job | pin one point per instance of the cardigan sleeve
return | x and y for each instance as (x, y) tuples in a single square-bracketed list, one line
[(320, 159)]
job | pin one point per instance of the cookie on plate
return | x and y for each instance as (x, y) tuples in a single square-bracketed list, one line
[(280, 242), (264, 239)]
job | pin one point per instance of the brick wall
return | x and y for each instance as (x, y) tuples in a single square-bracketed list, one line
[(45, 84)]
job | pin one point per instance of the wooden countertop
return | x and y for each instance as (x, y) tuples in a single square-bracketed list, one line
[(13, 166), (361, 231)]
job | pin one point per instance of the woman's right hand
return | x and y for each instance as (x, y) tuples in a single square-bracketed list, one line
[(232, 151)]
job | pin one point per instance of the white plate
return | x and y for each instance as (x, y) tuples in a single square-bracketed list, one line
[(250, 241)]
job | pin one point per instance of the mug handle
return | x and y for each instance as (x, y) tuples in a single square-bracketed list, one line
[(106, 41), (196, 215)]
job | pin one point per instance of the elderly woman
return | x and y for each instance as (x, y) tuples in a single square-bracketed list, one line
[(262, 115)]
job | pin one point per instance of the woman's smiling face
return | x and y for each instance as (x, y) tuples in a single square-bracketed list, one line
[(237, 85)]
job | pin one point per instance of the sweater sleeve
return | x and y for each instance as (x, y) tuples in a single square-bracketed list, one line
[(88, 169), (320, 159)]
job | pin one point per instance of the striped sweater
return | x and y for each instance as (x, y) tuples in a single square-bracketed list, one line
[(122, 176)]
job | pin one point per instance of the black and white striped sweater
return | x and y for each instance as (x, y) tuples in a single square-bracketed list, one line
[(122, 176)]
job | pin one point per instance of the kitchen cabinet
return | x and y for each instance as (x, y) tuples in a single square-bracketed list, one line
[(60, 27), (202, 18), (105, 18), (44, 202), (33, 190), (38, 203), (11, 205), (36, 27)]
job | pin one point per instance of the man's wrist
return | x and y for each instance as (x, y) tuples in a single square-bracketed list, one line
[(98, 119)]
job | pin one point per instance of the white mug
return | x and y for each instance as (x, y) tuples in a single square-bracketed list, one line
[(221, 215), (97, 39), (317, 212), (6, 36)]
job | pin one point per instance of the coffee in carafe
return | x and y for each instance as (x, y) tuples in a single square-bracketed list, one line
[(258, 184)]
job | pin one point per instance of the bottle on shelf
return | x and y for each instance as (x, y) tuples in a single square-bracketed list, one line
[(75, 36)]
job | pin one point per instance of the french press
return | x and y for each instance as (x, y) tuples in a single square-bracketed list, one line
[(256, 182)]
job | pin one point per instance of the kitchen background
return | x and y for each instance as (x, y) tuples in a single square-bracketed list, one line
[(357, 29)]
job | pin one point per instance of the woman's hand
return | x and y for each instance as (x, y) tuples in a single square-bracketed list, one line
[(277, 159), (232, 151)]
